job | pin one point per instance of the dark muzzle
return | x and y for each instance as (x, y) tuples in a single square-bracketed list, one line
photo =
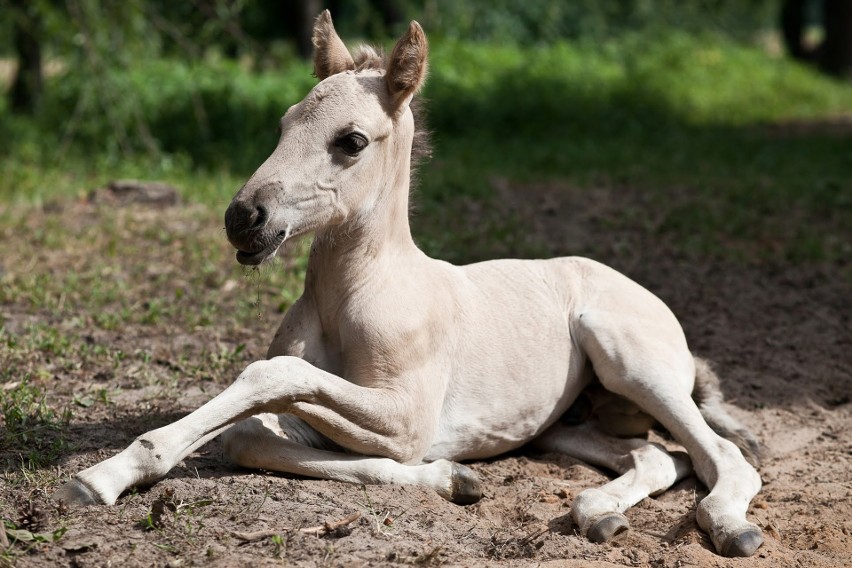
[(244, 223)]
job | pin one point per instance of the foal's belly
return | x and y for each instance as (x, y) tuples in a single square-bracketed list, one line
[(515, 368), (506, 420)]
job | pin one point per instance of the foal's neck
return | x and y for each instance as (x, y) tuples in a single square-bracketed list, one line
[(356, 255)]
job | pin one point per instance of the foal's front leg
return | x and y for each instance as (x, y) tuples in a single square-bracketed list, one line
[(376, 421)]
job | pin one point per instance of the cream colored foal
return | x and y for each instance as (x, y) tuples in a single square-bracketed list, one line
[(393, 367)]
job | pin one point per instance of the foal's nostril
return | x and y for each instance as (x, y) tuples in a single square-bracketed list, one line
[(260, 218), (241, 216)]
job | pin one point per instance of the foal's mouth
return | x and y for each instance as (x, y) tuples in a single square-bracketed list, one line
[(254, 258)]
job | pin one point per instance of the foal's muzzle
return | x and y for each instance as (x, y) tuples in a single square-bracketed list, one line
[(247, 227)]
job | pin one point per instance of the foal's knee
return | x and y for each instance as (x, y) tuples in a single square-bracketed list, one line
[(290, 373), (240, 442)]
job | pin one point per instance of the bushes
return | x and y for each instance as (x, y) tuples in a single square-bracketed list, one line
[(215, 114), (543, 22), (218, 113)]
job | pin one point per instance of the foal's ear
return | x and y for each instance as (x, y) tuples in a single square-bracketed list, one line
[(407, 67), (330, 55)]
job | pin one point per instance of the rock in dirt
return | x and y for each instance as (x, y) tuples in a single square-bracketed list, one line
[(130, 191)]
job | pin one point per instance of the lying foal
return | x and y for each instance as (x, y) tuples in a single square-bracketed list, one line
[(393, 367)]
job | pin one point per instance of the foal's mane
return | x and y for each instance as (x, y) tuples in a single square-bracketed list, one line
[(370, 57)]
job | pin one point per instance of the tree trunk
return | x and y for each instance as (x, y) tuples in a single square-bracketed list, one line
[(793, 29), (308, 12), (28, 84), (836, 52)]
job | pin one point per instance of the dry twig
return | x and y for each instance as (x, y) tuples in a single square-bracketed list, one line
[(319, 530)]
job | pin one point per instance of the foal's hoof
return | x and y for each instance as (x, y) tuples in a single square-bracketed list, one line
[(606, 527), (76, 494), (465, 486), (743, 543)]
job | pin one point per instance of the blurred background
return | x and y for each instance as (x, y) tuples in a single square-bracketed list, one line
[(745, 103)]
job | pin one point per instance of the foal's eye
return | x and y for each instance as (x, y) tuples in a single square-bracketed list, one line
[(352, 143)]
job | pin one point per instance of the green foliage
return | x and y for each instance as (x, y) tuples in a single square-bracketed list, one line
[(17, 535), (637, 83), (32, 430), (224, 109), (547, 21), (22, 541), (163, 108), (654, 109), (677, 112)]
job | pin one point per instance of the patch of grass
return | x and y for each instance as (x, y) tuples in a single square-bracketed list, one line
[(124, 267), (177, 525), (24, 539), (279, 545), (32, 432), (383, 519)]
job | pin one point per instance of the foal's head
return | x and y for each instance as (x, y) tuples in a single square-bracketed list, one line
[(343, 149)]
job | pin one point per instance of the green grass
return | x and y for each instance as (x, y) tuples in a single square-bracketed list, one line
[(32, 431), (685, 119)]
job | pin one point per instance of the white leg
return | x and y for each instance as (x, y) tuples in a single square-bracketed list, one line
[(645, 468), (719, 464), (264, 442), (365, 420)]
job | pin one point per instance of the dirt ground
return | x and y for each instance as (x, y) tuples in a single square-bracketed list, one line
[(779, 335)]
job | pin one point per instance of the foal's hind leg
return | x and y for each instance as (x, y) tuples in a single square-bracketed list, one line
[(645, 469), (641, 355), (286, 444)]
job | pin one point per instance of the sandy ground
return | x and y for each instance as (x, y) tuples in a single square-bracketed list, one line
[(781, 339)]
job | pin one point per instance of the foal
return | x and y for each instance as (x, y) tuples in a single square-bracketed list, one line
[(393, 367)]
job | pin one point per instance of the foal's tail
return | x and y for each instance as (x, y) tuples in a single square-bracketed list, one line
[(708, 397)]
